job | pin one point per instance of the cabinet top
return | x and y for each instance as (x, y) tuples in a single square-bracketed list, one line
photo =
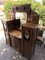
[(32, 25), (16, 34)]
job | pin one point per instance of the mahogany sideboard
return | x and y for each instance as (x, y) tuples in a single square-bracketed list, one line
[(24, 41), (29, 31)]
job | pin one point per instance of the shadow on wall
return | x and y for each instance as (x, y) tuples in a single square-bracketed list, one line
[(22, 16)]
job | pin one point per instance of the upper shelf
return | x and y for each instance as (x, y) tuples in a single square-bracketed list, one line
[(22, 8)]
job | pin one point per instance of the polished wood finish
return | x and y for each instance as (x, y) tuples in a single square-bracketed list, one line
[(22, 8), (16, 33), (32, 16), (19, 40), (24, 40), (16, 38), (28, 44)]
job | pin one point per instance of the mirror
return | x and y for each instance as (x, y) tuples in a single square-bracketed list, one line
[(22, 16)]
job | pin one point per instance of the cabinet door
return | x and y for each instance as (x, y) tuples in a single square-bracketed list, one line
[(16, 43), (26, 42), (12, 42), (28, 45)]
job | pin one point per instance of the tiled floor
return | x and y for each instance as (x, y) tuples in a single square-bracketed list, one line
[(8, 53), (39, 53)]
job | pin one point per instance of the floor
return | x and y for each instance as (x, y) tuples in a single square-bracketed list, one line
[(8, 53)]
